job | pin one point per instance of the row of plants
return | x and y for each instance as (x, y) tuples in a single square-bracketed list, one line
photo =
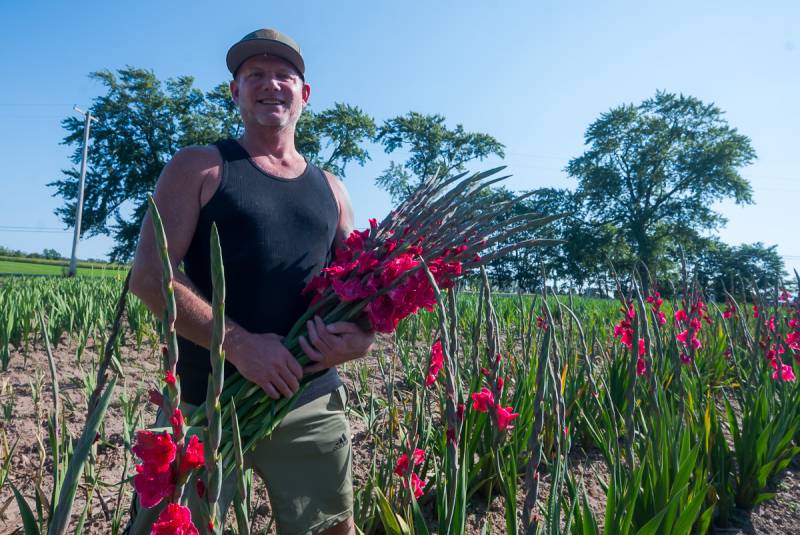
[(691, 405)]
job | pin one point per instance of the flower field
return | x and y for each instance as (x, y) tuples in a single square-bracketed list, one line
[(492, 414)]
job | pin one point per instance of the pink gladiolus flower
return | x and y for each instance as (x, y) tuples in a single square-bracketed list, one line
[(193, 458), (437, 362), (787, 374), (482, 401), (685, 359), (696, 343), (641, 366), (642, 348), (504, 417), (680, 315), (175, 519), (661, 318), (695, 324)]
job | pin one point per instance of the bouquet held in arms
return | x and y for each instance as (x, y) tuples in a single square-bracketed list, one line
[(447, 226)]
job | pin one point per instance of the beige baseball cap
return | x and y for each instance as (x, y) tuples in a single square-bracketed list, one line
[(265, 42)]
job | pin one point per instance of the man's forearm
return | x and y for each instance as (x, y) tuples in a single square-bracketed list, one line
[(194, 317)]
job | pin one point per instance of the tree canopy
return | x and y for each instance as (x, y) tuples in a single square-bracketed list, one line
[(654, 171), (432, 148)]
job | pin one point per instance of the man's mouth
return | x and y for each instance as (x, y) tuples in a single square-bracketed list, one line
[(270, 102)]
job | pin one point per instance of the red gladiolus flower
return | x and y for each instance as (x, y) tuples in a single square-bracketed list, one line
[(642, 349), (174, 520), (685, 359), (500, 383), (787, 374), (770, 324), (401, 468), (460, 412), (154, 479), (695, 324), (417, 485), (482, 401), (728, 353), (177, 422), (351, 289), (154, 448), (696, 343), (504, 417), (755, 311), (153, 483), (193, 458), (436, 364), (793, 340), (169, 378), (541, 322), (200, 487), (661, 318), (680, 315), (641, 366), (155, 397), (683, 337)]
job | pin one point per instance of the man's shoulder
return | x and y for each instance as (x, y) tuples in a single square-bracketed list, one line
[(202, 160)]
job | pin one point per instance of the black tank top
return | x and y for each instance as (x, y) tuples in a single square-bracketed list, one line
[(275, 235)]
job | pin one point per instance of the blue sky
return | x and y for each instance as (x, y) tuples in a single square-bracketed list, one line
[(533, 74)]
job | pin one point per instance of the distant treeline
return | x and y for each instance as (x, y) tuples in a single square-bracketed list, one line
[(52, 257)]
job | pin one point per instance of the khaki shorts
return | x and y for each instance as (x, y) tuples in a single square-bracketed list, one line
[(306, 465)]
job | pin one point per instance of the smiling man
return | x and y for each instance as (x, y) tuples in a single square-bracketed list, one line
[(279, 218)]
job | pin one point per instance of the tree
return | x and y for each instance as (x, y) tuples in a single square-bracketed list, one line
[(51, 254), (654, 170), (432, 148), (738, 269), (143, 122)]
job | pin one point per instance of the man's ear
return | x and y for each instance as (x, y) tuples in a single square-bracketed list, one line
[(306, 92), (234, 92)]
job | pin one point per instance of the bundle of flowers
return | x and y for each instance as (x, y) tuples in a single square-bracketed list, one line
[(447, 226)]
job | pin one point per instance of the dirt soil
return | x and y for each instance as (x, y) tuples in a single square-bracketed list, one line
[(26, 400)]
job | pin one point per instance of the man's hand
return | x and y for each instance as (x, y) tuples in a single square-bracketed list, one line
[(334, 344), (265, 361)]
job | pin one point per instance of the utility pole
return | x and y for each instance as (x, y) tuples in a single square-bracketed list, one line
[(73, 263)]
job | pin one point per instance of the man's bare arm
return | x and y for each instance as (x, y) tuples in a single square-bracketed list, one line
[(185, 185)]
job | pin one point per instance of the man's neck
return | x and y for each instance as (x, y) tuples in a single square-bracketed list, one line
[(275, 151)]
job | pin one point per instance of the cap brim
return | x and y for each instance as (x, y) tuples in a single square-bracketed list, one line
[(259, 47)]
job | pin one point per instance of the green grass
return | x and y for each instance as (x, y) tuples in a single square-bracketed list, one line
[(30, 268)]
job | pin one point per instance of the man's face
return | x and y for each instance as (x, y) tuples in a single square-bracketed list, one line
[(269, 92)]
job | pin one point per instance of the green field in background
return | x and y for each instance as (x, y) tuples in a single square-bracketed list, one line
[(30, 268)]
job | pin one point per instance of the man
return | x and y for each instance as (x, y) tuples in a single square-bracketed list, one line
[(278, 219)]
